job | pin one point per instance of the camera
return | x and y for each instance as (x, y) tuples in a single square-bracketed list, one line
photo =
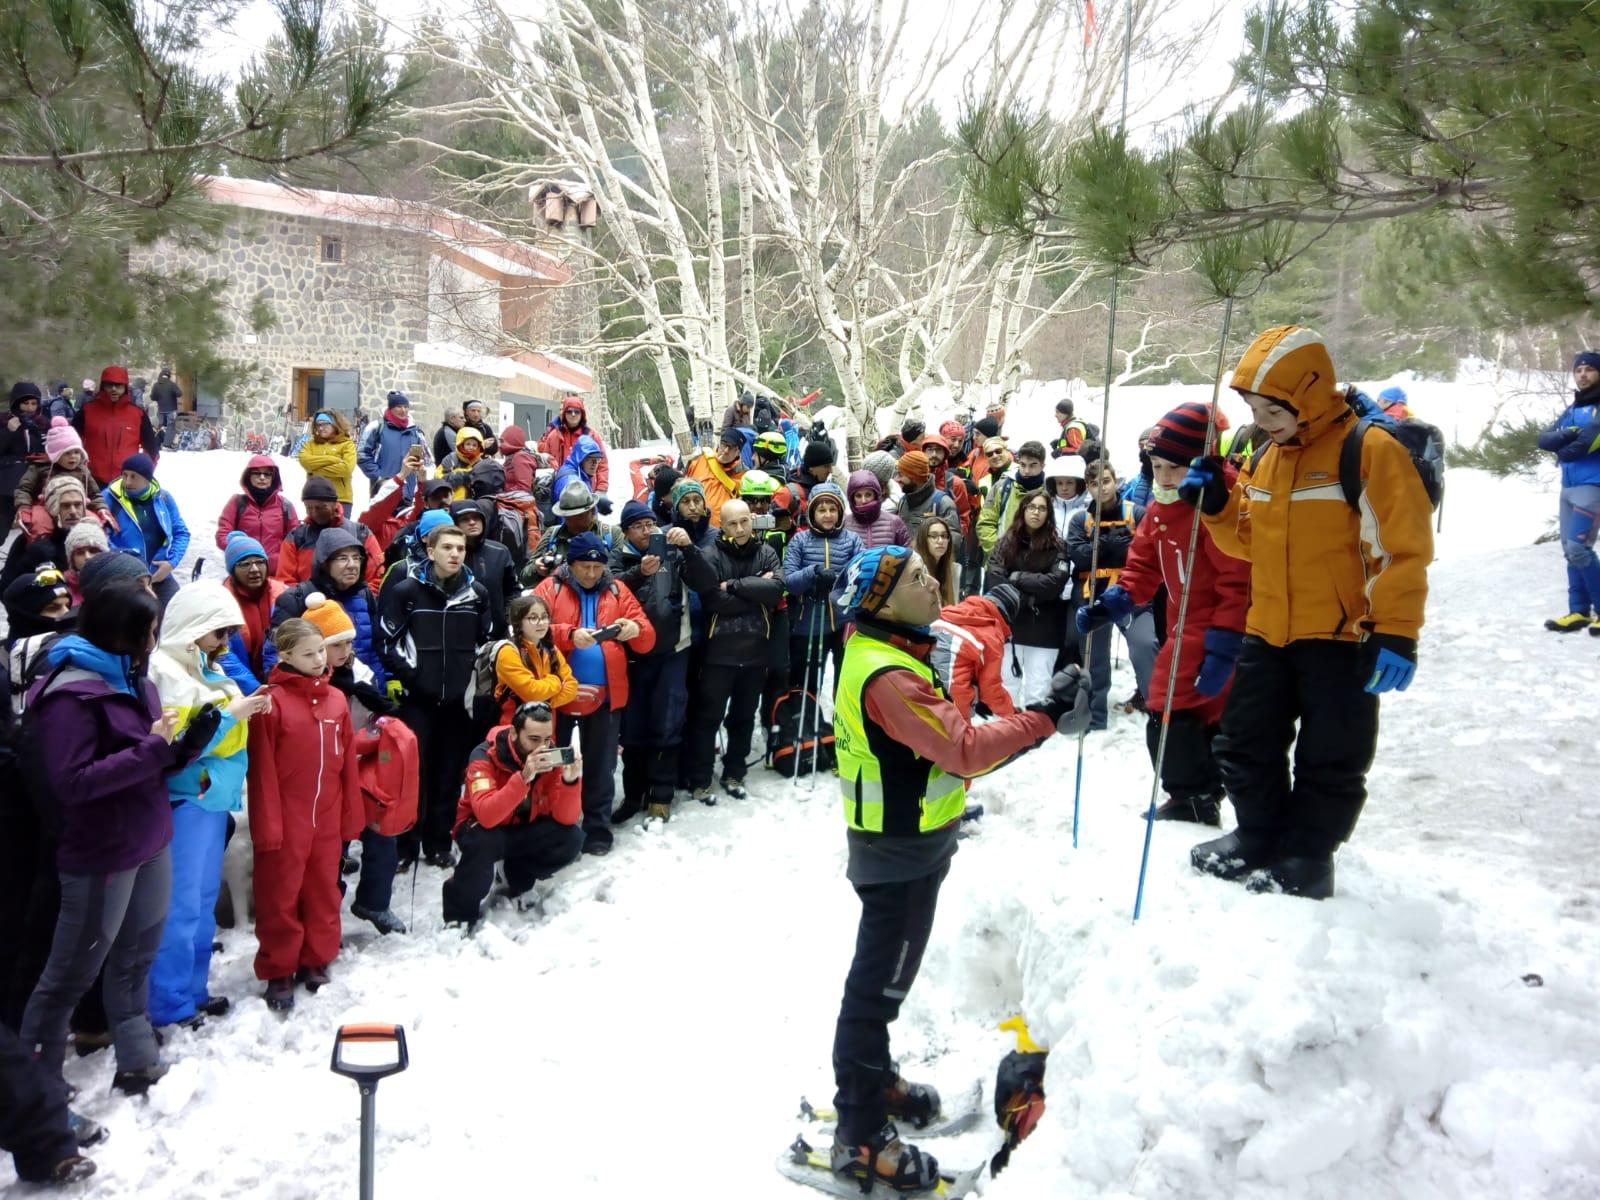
[(548, 563), (607, 632)]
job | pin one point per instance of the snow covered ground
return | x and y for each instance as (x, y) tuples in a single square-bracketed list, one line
[(1431, 1032)]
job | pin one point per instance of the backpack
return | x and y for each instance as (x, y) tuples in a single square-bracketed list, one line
[(481, 700), (386, 751), (1424, 442), (788, 753)]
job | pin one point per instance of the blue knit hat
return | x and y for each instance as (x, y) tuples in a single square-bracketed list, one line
[(870, 578), (633, 511), (240, 546), (1586, 358), (140, 463), (431, 520), (587, 547), (1393, 395)]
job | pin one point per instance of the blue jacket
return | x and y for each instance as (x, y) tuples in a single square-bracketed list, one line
[(808, 552), (573, 467), (235, 664), (129, 536), (1574, 438), (383, 448)]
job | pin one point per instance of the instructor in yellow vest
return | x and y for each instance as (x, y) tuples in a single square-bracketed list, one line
[(904, 753)]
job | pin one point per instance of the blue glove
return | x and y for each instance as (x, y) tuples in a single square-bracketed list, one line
[(1222, 651), (1388, 662), (1114, 605), (1203, 486)]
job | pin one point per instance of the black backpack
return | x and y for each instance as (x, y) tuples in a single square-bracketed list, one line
[(788, 752), (1424, 442)]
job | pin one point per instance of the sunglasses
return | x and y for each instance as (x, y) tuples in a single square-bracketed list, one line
[(533, 710)]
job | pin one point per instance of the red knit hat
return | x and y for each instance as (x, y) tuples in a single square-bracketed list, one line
[(1180, 436)]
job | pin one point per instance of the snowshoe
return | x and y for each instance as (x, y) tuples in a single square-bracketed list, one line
[(1571, 623), (85, 1131), (315, 978), (932, 1116), (1200, 810), (887, 1160), (706, 796), (385, 922), (138, 1082), (1234, 855), (280, 994), (1310, 877), (914, 1102), (735, 788)]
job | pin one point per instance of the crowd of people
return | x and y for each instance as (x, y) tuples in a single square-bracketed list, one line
[(448, 678)]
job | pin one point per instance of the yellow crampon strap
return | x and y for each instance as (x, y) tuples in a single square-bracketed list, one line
[(1019, 1026)]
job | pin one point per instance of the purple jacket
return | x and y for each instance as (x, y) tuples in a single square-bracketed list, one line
[(109, 773), (883, 528)]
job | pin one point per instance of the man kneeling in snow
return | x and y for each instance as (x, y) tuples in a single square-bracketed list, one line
[(520, 806)]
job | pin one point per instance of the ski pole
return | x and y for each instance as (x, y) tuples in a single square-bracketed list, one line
[(805, 693), (366, 1076), (816, 709)]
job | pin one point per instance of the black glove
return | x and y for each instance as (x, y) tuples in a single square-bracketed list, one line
[(1068, 705), (822, 581), (197, 736), (1203, 486), (374, 700), (603, 504)]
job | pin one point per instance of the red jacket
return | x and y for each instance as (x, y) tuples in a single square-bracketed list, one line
[(268, 523), (297, 556), (561, 594), (303, 783), (970, 655), (946, 480), (390, 512), (558, 442), (257, 617), (494, 789), (113, 429), (521, 464), (1219, 596)]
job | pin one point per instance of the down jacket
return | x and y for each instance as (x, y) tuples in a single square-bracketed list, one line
[(270, 521), (558, 442), (812, 562), (495, 793), (127, 535), (968, 654)]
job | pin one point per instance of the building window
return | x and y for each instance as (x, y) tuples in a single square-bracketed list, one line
[(332, 249)]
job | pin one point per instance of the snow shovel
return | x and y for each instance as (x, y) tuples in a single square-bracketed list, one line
[(381, 1052)]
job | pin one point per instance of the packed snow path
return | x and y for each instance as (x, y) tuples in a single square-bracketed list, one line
[(1428, 1033)]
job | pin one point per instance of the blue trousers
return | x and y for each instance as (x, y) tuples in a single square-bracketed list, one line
[(1580, 522), (178, 976)]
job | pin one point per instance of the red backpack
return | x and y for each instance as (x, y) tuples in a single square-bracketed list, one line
[(387, 752)]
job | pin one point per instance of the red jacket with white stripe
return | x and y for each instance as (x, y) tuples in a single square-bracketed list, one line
[(304, 782)]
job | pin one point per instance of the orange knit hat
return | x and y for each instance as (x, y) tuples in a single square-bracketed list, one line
[(329, 617)]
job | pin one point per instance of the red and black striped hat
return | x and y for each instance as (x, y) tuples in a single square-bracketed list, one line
[(1181, 435)]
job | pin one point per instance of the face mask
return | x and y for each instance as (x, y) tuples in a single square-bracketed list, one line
[(1029, 483), (1164, 495)]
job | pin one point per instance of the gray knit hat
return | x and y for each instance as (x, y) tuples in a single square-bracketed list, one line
[(104, 569), (882, 464)]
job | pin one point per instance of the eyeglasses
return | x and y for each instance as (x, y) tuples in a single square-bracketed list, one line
[(542, 618), (532, 710)]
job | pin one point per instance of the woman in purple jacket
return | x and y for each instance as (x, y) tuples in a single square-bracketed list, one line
[(868, 519), (107, 749)]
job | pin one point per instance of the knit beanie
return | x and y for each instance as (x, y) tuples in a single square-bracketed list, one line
[(1586, 358), (818, 454), (682, 488), (634, 512), (431, 520), (987, 427), (141, 464), (240, 546), (397, 400), (318, 488), (34, 592), (914, 466), (1180, 436), (1007, 599), (61, 438), (912, 430), (86, 534), (587, 547), (105, 569), (330, 618), (58, 487), (881, 463), (870, 578)]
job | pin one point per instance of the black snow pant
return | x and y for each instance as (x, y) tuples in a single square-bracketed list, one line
[(597, 744), (724, 688), (33, 1115), (1319, 684), (652, 728), (896, 921), (446, 735), (530, 852), (30, 897), (1188, 768), (807, 673)]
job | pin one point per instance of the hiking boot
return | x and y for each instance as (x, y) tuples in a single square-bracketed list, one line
[(971, 812), (914, 1102), (85, 1044), (215, 1006), (885, 1159), (1310, 876), (84, 1131), (406, 860), (280, 994), (629, 810), (706, 796), (443, 859), (597, 848), (1571, 623), (140, 1081), (314, 978), (75, 1168), (467, 929), (1234, 855), (660, 810), (1594, 628), (384, 921), (1201, 810), (734, 788), (1134, 703)]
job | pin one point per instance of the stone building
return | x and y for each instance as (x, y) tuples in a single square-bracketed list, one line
[(367, 295)]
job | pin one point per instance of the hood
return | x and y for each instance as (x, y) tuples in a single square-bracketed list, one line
[(469, 433), (461, 507), (934, 439), (112, 375), (330, 541), (828, 490), (1289, 363), (512, 439), (503, 748), (865, 480), (261, 462), (581, 449), (974, 613), (570, 402), (202, 607)]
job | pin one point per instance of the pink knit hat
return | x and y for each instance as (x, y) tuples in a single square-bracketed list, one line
[(61, 438)]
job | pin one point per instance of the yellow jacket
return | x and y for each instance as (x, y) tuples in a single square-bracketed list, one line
[(334, 461), (718, 482), (1317, 570)]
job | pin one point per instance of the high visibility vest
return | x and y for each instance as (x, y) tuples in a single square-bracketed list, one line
[(1109, 574), (885, 786)]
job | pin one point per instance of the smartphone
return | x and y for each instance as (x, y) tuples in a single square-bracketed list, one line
[(657, 545), (606, 632), (565, 755)]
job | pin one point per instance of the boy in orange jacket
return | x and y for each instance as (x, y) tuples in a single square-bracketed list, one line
[(1336, 604)]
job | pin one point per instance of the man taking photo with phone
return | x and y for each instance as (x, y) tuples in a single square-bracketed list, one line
[(520, 805)]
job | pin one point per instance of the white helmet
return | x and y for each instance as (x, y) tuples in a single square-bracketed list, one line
[(1067, 466)]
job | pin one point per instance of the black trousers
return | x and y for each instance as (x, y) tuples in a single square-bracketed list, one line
[(597, 741), (806, 672), (896, 920), (1318, 684), (736, 691), (530, 852), (446, 735), (649, 774), (1188, 768), (33, 1117)]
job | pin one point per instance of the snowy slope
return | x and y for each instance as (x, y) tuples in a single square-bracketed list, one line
[(664, 1014)]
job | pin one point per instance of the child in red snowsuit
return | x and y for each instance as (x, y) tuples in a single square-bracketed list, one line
[(1219, 595), (305, 803)]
